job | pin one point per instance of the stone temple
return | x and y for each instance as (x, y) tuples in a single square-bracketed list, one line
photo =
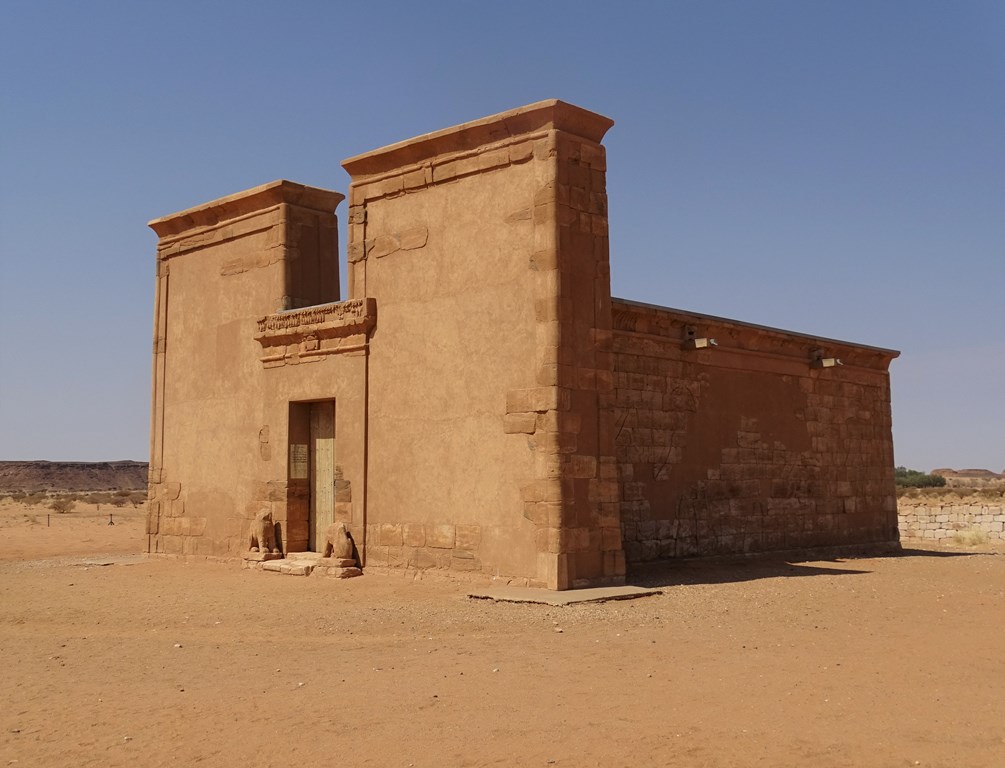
[(479, 402)]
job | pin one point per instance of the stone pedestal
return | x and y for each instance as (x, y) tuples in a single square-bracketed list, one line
[(261, 557), (337, 568), (304, 564)]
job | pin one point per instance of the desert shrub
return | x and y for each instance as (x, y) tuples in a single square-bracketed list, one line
[(971, 537), (63, 505), (35, 498), (912, 478), (137, 497)]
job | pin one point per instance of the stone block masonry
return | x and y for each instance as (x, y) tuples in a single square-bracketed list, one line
[(504, 219), (944, 519), (478, 402), (745, 446)]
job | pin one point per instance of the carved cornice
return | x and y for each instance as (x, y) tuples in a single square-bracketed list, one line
[(542, 116), (315, 331), (242, 204), (666, 324)]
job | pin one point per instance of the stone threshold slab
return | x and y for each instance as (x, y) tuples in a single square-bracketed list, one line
[(565, 597), (307, 564), (112, 560)]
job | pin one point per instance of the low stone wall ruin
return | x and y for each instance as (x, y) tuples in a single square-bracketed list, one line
[(937, 519)]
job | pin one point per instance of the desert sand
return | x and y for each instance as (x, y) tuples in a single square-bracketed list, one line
[(872, 661)]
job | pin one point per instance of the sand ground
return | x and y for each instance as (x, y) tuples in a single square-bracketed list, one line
[(884, 661)]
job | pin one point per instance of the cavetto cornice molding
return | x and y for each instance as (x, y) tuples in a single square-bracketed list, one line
[(551, 114), (659, 322), (264, 197)]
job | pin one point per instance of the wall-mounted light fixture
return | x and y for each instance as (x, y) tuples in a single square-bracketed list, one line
[(817, 360), (700, 343), (693, 341)]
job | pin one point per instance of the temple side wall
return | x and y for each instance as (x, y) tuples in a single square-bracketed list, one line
[(744, 447)]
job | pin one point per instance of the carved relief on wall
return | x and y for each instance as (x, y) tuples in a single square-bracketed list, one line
[(313, 332)]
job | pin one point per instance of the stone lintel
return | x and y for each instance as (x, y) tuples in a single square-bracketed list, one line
[(250, 201), (309, 334), (337, 319), (551, 114)]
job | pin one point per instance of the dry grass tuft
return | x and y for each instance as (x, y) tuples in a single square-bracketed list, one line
[(972, 537)]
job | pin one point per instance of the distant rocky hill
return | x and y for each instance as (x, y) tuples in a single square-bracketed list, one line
[(985, 474), (969, 477), (34, 476)]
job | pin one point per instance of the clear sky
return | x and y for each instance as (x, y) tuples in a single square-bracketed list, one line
[(835, 168)]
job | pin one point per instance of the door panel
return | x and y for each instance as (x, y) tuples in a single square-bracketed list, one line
[(322, 471)]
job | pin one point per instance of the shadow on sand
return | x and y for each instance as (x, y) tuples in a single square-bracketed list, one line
[(913, 552), (726, 570)]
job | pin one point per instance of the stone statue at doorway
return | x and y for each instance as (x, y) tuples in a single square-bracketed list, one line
[(263, 534), (338, 543)]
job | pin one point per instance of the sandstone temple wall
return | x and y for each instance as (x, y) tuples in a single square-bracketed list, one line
[(747, 446), (219, 424), (485, 248), (478, 402)]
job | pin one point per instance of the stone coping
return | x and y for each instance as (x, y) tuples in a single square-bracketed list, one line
[(243, 203), (550, 114), (696, 318)]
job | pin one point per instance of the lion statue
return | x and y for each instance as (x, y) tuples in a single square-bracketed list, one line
[(338, 542), (263, 534)]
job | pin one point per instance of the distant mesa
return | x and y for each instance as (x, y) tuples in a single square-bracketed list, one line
[(968, 477), (34, 476), (985, 474)]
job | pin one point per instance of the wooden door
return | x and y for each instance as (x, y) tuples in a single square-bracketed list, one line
[(322, 459)]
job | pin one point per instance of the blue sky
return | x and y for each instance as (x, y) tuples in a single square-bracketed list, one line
[(835, 168)]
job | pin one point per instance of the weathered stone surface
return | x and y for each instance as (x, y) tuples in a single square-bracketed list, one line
[(338, 543), (486, 247), (440, 536), (830, 447), (966, 522), (262, 537), (260, 557)]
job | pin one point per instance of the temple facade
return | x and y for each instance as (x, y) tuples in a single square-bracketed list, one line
[(479, 402)]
